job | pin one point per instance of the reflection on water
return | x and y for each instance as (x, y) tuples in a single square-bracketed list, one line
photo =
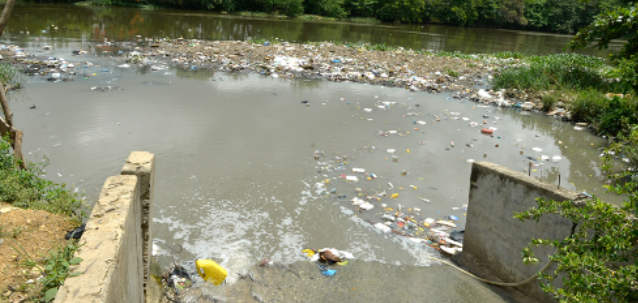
[(80, 24)]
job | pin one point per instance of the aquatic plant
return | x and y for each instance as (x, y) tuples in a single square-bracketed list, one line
[(560, 71)]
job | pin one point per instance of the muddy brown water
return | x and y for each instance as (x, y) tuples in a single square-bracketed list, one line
[(235, 168)]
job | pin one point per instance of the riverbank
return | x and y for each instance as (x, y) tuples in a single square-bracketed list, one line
[(35, 215), (573, 87), (569, 87), (468, 76)]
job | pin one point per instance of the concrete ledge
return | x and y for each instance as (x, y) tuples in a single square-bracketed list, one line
[(495, 238), (116, 239), (142, 165)]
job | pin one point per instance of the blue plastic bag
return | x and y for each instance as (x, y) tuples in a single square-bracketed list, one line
[(329, 272)]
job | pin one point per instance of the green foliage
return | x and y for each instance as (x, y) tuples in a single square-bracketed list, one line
[(614, 24), (546, 15), (561, 71), (593, 261), (409, 11), (599, 261), (458, 12), (609, 116), (549, 101), (27, 189), (328, 8), (625, 148), (381, 47), (11, 75), (10, 233), (55, 268), (565, 16), (452, 73), (626, 71), (620, 23), (361, 8)]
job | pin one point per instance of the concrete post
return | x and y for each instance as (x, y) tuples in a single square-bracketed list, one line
[(142, 165)]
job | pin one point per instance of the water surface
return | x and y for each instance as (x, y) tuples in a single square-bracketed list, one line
[(235, 168), (78, 25)]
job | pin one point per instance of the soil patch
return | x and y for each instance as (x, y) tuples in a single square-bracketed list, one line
[(37, 232)]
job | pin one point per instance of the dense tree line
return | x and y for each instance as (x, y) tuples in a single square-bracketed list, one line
[(564, 16)]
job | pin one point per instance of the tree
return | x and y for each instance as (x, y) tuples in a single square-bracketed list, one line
[(401, 10), (7, 127), (360, 8), (620, 23), (615, 24)]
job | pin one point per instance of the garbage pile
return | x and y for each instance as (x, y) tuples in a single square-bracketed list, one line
[(409, 69), (175, 280), (56, 69), (328, 256)]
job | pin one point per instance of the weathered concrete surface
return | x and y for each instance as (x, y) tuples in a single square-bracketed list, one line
[(358, 281), (112, 252), (117, 239), (142, 165), (495, 239)]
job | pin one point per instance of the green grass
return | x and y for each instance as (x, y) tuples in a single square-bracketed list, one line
[(55, 268), (11, 75), (253, 14), (307, 17), (28, 189), (380, 47), (363, 20), (549, 101), (10, 233), (561, 71)]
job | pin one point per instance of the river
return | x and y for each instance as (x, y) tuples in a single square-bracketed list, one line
[(81, 24), (236, 175)]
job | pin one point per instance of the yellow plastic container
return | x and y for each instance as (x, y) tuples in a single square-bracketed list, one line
[(210, 271)]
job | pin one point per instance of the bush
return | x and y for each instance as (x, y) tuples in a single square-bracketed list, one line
[(626, 71), (609, 116), (597, 262)]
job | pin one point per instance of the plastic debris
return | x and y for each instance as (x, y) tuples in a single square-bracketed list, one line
[(329, 272), (210, 271)]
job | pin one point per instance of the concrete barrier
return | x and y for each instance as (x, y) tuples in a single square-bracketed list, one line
[(116, 239), (142, 165), (495, 239)]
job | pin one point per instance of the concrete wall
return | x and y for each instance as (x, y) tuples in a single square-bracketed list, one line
[(116, 239), (495, 239)]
